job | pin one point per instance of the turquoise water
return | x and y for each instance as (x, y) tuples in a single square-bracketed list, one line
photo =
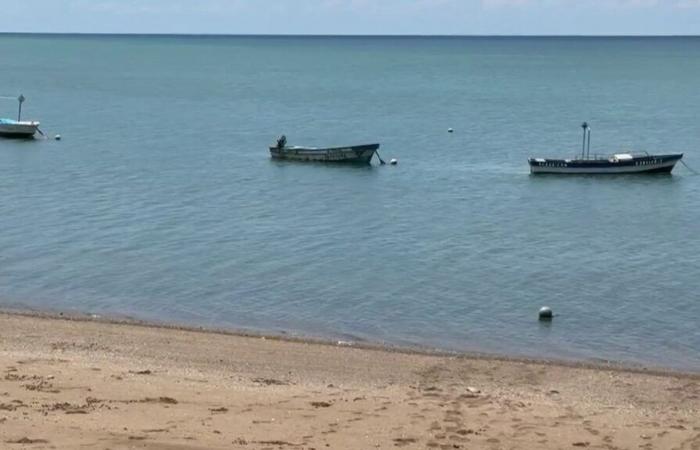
[(161, 201)]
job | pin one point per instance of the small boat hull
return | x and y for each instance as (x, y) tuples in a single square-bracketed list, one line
[(617, 164), (357, 154), (14, 129)]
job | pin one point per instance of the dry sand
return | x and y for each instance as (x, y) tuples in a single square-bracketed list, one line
[(72, 384)]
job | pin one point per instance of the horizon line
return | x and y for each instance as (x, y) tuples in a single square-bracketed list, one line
[(312, 35)]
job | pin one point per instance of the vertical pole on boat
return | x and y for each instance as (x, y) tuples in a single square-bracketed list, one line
[(588, 148), (20, 99), (583, 150)]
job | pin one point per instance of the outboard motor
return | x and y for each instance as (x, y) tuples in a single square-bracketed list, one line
[(282, 141)]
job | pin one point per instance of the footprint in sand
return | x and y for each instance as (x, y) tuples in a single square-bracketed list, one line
[(164, 400), (26, 440), (321, 404), (270, 382), (400, 442), (278, 443), (464, 432), (10, 406)]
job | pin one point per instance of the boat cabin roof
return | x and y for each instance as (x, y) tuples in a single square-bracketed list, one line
[(623, 156)]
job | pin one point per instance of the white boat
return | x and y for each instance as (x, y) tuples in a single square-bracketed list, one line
[(618, 163), (614, 164), (14, 129), (18, 128)]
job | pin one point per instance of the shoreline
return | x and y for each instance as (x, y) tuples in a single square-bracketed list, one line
[(620, 366), (70, 383)]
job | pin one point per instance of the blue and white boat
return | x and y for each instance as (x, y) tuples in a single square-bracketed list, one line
[(17, 128), (618, 163)]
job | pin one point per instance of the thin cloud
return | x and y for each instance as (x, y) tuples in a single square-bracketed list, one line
[(591, 3)]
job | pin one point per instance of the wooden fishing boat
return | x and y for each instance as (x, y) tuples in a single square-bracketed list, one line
[(358, 154), (618, 163)]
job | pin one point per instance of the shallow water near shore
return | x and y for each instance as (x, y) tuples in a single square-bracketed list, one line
[(161, 201)]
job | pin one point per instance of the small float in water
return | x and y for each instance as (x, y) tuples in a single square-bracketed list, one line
[(619, 163), (357, 154), (17, 128)]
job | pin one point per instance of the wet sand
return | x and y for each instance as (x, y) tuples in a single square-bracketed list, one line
[(71, 384)]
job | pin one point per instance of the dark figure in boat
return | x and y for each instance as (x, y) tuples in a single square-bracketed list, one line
[(282, 141)]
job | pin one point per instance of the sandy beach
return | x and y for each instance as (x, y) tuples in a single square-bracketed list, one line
[(71, 384)]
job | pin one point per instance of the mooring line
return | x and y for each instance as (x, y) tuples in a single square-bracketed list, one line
[(695, 172)]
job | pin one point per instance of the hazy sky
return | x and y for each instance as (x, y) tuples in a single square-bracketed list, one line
[(354, 16)]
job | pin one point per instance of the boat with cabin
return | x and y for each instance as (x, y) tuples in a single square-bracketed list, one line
[(618, 163), (358, 154), (17, 128)]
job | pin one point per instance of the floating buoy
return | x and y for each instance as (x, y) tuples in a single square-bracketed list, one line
[(393, 161), (546, 313), (450, 130), (57, 137)]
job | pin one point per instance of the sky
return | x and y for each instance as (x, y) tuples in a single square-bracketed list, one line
[(441, 17)]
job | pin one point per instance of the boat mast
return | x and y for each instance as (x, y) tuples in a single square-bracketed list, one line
[(583, 149), (588, 149), (20, 99)]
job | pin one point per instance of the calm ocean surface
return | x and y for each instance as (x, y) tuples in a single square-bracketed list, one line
[(161, 202)]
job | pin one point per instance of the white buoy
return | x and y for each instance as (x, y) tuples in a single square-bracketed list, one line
[(57, 137), (546, 313), (450, 130), (393, 161)]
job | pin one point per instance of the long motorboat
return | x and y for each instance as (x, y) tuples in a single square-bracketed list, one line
[(618, 163), (18, 128), (358, 154)]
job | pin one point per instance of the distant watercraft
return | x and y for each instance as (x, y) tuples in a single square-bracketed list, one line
[(18, 128), (359, 154), (618, 163), (15, 129)]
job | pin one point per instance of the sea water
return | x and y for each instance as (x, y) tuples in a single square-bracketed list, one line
[(161, 202)]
